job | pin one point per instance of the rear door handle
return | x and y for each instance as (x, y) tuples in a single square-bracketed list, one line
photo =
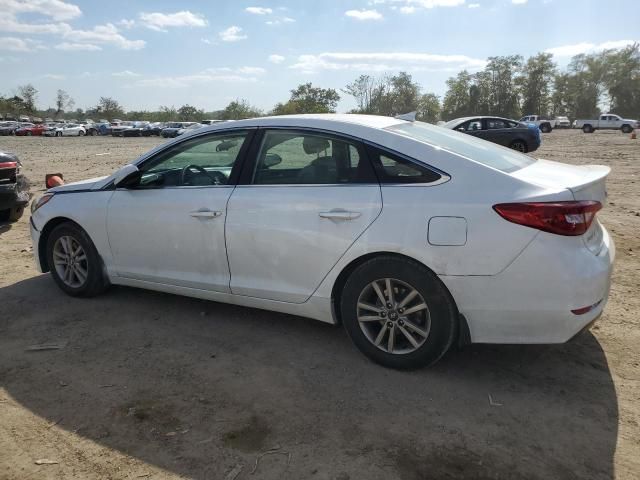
[(339, 214), (205, 214)]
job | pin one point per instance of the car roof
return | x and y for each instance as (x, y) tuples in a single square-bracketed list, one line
[(480, 117)]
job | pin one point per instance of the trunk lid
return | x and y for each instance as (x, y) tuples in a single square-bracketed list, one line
[(585, 182)]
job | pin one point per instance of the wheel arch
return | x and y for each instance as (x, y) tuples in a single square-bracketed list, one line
[(44, 237), (342, 277)]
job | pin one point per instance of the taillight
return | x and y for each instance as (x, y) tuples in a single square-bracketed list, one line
[(8, 164), (561, 218)]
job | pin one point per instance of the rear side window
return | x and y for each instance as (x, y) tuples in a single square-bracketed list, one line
[(308, 158), (392, 168), (485, 153)]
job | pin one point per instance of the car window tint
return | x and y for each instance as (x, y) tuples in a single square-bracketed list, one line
[(495, 123), (198, 161), (395, 169), (309, 158), (470, 126)]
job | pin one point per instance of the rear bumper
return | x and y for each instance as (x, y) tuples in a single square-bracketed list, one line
[(532, 300), (12, 196)]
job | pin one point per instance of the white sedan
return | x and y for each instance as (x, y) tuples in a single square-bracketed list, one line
[(67, 130), (412, 236)]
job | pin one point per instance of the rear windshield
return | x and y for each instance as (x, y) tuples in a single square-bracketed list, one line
[(481, 151)]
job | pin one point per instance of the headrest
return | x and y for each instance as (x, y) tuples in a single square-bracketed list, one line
[(314, 145)]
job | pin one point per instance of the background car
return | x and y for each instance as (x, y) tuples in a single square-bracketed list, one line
[(9, 128), (136, 129), (14, 188), (503, 131), (153, 129), (172, 129), (66, 130), (545, 124), (190, 128), (31, 129), (414, 237), (563, 122)]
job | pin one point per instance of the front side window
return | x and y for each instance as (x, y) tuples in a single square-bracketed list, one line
[(202, 161), (470, 126), (308, 158)]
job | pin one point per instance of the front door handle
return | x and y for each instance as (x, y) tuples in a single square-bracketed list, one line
[(339, 214), (205, 213)]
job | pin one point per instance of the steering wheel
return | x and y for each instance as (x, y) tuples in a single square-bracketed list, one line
[(217, 178)]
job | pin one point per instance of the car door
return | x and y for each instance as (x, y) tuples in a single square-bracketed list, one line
[(168, 227), (302, 202), (497, 130)]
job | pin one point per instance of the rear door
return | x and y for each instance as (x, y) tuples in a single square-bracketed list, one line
[(302, 202), (497, 131)]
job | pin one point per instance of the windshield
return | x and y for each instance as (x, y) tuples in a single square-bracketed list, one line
[(489, 154)]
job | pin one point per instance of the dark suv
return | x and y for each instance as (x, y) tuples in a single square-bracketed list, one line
[(14, 188)]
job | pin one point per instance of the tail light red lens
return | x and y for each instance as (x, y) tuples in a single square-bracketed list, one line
[(561, 218), (8, 164)]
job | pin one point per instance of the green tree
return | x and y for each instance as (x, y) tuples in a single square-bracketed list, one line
[(622, 80), (536, 83), (63, 101), (29, 94), (190, 113), (309, 99), (239, 109), (457, 100), (429, 108), (109, 107)]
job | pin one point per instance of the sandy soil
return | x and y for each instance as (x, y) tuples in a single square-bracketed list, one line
[(148, 385)]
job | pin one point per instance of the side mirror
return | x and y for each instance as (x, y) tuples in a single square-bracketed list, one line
[(127, 176)]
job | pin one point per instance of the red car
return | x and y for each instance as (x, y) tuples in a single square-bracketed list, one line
[(31, 129)]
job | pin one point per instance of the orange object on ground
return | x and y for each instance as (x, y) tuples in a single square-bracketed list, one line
[(53, 180)]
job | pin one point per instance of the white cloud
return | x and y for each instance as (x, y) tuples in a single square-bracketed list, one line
[(474, 5), (383, 61), (364, 14), (160, 21), (53, 76), (276, 58), (124, 23), (125, 73), (104, 34), (518, 2), (56, 9), (584, 47), (232, 34), (280, 20), (410, 6), (259, 10), (210, 75), (14, 44), (77, 47)]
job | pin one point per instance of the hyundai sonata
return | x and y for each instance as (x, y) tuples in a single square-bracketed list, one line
[(414, 237)]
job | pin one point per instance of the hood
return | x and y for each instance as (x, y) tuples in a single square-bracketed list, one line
[(88, 184)]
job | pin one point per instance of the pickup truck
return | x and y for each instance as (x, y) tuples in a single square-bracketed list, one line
[(608, 121), (543, 123)]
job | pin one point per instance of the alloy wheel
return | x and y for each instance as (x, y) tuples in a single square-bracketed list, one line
[(70, 261), (519, 146), (393, 316)]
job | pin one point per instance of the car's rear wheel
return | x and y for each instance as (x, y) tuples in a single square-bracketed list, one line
[(545, 128), (398, 313), (519, 145), (29, 134), (587, 129), (74, 261)]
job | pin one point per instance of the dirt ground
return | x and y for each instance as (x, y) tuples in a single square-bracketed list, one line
[(149, 385)]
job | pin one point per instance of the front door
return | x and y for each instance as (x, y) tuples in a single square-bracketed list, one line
[(307, 198), (169, 227)]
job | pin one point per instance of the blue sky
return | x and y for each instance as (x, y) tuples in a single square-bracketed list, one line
[(151, 53)]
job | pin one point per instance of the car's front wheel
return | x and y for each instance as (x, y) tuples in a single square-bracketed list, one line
[(398, 313), (74, 261), (626, 129)]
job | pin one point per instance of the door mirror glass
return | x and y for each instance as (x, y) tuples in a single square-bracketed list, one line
[(126, 176)]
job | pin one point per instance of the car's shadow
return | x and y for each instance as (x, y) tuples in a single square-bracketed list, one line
[(199, 389)]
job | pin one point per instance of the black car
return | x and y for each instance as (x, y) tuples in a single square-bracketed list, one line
[(153, 129), (503, 131), (9, 128), (173, 129), (14, 188)]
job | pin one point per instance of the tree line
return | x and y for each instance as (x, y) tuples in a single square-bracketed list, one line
[(508, 86)]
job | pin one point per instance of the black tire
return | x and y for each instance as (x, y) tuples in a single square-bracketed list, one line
[(58, 134), (14, 214), (29, 134), (587, 129), (545, 128), (519, 145), (626, 129), (5, 214), (440, 306), (95, 282)]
